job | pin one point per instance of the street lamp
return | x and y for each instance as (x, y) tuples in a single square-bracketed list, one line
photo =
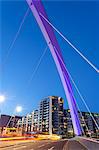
[(2, 98), (18, 109)]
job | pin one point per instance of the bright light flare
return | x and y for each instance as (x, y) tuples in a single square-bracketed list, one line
[(18, 109), (2, 98)]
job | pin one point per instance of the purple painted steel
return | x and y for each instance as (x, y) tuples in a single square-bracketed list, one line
[(48, 33)]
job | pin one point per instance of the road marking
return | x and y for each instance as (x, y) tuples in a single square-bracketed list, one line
[(90, 140), (65, 146), (14, 147), (41, 145), (32, 141), (51, 148), (83, 144), (19, 147)]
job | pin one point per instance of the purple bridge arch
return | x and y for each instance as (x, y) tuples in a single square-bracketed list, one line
[(37, 8)]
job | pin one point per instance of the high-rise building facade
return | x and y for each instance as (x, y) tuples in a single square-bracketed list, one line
[(68, 126), (48, 119), (51, 115), (88, 126), (30, 122), (52, 118), (45, 116)]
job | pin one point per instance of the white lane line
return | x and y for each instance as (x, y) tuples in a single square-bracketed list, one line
[(32, 141), (41, 145), (51, 148), (82, 144), (90, 140), (19, 147), (66, 145)]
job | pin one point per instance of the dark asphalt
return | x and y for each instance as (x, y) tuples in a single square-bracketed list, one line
[(73, 144)]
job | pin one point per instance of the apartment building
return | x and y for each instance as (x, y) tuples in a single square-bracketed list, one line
[(51, 115), (30, 122), (88, 126)]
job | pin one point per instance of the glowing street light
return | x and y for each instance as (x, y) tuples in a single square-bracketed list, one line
[(18, 109), (2, 98)]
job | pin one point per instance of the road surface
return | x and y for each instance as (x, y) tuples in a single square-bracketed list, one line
[(72, 144)]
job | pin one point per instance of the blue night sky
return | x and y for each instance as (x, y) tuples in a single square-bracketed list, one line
[(79, 22)]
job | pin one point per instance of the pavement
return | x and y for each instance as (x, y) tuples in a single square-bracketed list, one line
[(72, 144)]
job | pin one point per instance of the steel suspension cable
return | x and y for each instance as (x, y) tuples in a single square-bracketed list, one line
[(83, 120), (78, 90), (38, 64), (81, 116), (89, 62), (80, 113), (75, 108), (16, 36)]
